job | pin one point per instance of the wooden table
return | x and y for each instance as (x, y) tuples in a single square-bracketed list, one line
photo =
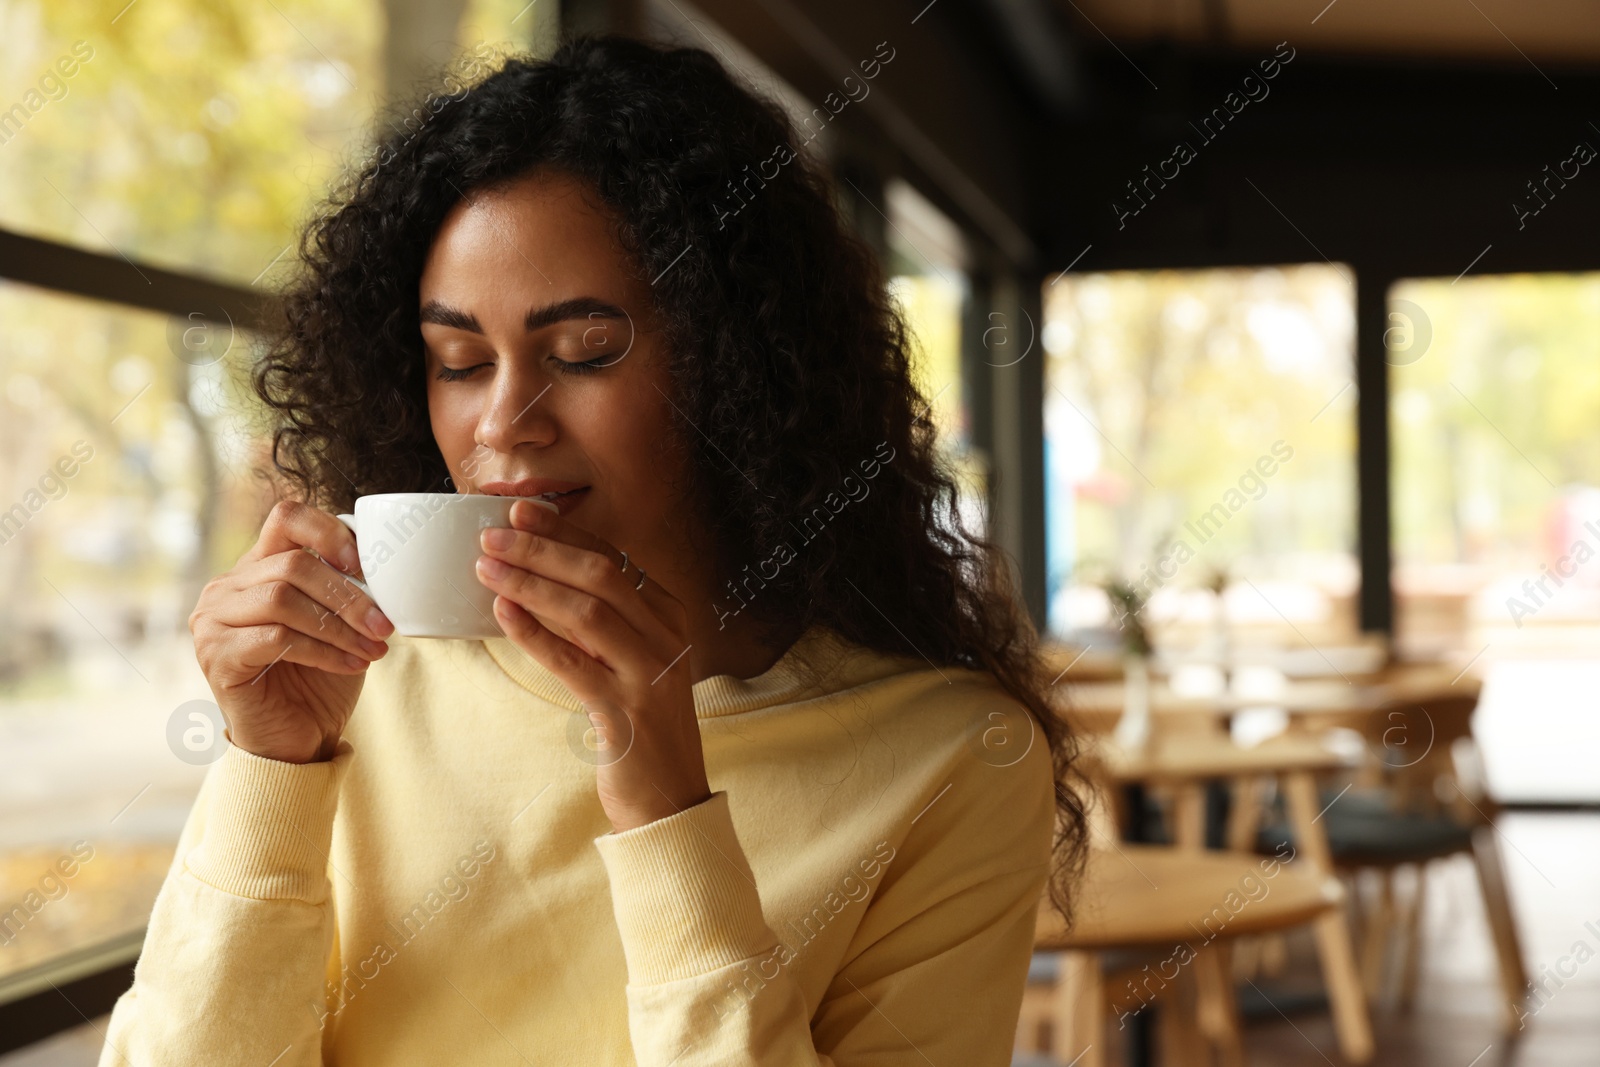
[(1095, 663), (1154, 895), (1187, 762), (1095, 707), (1327, 661), (1347, 662), (1187, 908)]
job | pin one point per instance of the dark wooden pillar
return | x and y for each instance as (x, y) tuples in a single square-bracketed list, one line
[(1372, 449), (1017, 410)]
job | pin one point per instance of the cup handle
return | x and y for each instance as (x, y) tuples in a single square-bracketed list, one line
[(350, 523)]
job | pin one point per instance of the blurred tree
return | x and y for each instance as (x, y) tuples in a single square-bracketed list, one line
[(1494, 421), (1165, 389)]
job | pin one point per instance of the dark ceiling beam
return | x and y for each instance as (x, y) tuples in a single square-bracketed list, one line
[(1411, 169), (1411, 221), (1042, 49)]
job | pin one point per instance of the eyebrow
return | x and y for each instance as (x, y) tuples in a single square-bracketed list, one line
[(582, 307)]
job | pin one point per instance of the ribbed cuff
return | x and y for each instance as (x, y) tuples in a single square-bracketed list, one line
[(269, 826), (683, 894)]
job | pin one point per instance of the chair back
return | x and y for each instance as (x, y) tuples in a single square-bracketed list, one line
[(1420, 746)]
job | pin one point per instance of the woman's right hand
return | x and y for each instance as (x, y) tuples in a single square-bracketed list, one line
[(284, 638)]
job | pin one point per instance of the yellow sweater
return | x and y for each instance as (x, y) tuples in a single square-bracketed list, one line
[(860, 889)]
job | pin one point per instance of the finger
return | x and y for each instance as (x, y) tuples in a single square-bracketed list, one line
[(544, 523), (292, 524), (254, 650), (588, 679), (585, 569), (279, 600), (591, 622), (333, 591), (529, 517)]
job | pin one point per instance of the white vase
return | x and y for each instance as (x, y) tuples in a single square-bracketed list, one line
[(1221, 638), (1133, 728)]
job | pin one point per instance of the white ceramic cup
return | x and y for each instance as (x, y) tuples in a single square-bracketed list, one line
[(419, 554)]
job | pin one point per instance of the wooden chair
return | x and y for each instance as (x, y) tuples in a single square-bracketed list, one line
[(1139, 901), (1429, 803), (1180, 910)]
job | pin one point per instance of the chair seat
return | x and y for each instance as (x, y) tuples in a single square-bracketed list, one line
[(1364, 831), (1044, 966), (1149, 895)]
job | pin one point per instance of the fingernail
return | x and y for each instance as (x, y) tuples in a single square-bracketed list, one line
[(349, 559), (378, 622), (492, 567), (522, 511), (371, 647), (497, 537), (355, 662)]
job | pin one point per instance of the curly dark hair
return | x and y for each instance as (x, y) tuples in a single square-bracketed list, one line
[(789, 357)]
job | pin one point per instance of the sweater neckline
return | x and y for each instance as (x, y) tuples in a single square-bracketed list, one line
[(793, 676)]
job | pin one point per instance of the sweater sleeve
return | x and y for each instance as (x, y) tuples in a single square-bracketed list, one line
[(235, 954), (935, 974)]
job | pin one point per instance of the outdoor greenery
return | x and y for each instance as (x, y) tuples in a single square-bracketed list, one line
[(1165, 388), (1494, 424), (1197, 419)]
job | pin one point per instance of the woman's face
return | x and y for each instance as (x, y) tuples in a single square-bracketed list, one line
[(544, 371)]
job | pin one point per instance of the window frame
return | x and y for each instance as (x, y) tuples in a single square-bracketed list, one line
[(83, 984)]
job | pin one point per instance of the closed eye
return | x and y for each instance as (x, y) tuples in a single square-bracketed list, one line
[(453, 374), (586, 366)]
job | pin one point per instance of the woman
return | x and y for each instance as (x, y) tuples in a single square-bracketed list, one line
[(826, 796)]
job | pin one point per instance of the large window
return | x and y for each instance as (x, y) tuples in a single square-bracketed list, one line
[(1199, 429), (212, 125), (1496, 470), (927, 267), (124, 484), (194, 136)]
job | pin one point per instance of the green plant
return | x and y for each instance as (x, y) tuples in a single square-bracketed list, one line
[(1127, 602)]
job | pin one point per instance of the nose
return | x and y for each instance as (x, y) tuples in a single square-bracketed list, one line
[(519, 412)]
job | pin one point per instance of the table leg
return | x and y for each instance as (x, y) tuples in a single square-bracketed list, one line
[(1139, 1038), (1411, 966), (1346, 997), (1080, 1011), (1379, 936), (1502, 925), (1182, 1042), (1219, 1003), (1244, 814), (1189, 815)]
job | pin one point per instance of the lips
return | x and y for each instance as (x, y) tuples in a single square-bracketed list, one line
[(565, 495)]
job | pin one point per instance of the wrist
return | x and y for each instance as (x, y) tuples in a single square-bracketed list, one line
[(283, 753), (644, 816)]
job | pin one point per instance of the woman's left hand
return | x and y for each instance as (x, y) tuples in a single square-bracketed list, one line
[(624, 655)]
